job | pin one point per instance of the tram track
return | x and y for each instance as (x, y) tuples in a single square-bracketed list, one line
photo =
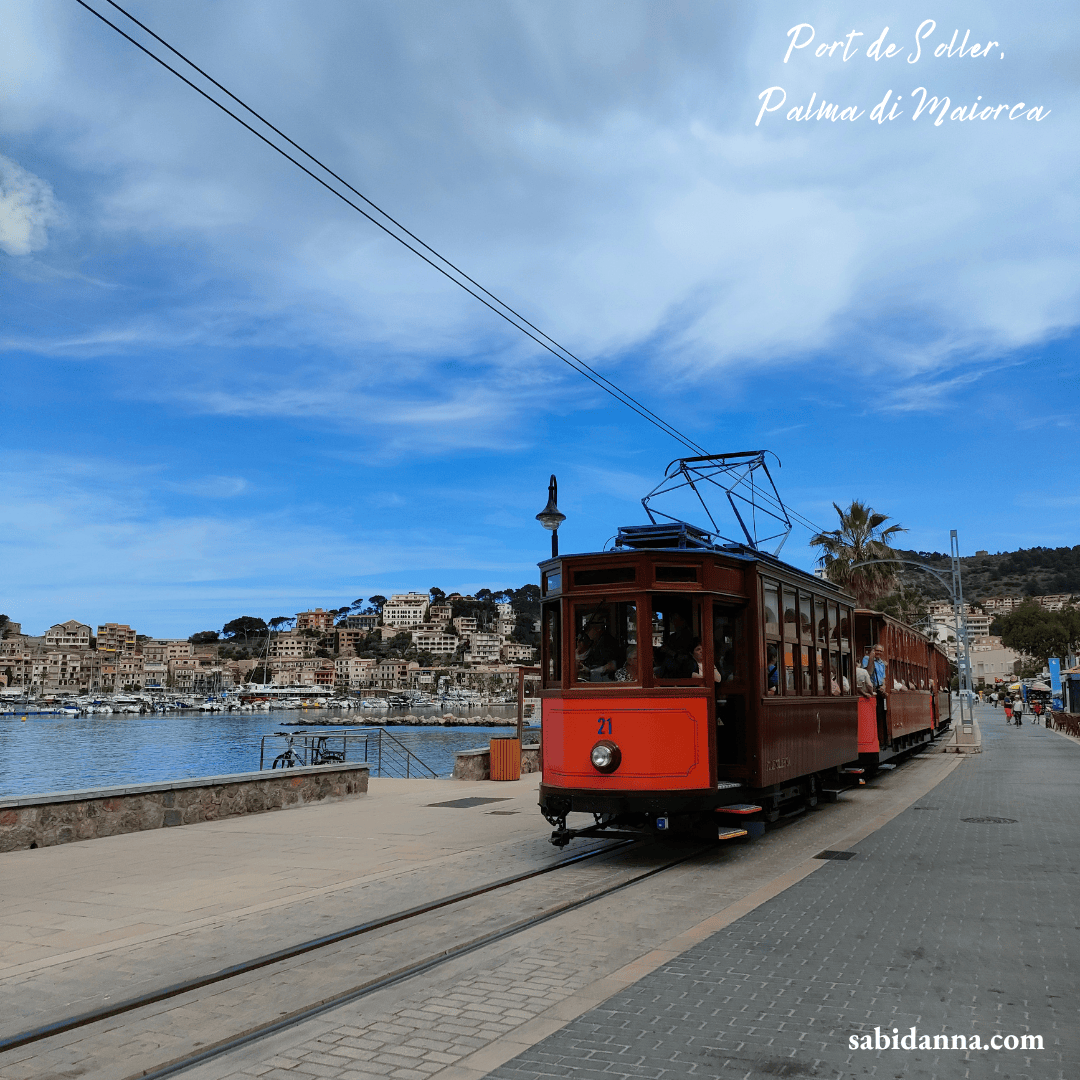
[(233, 971), (140, 1009)]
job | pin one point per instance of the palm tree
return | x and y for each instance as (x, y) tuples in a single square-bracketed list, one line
[(860, 539)]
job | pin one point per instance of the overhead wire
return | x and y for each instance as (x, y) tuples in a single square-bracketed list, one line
[(504, 310), (498, 306)]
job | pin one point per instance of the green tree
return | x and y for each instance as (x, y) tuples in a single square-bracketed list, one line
[(377, 603), (1032, 630), (204, 637), (244, 628), (261, 675), (436, 595), (860, 539)]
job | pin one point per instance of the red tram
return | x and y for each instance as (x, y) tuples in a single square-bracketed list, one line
[(690, 687)]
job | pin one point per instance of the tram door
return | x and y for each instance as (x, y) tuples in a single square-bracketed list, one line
[(729, 663)]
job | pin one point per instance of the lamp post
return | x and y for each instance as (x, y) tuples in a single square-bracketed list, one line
[(550, 517)]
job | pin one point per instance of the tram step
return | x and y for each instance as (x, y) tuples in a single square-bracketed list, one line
[(829, 794), (853, 772), (886, 766), (727, 785), (730, 834), (739, 808)]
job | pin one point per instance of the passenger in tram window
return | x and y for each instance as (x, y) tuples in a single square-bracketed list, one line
[(601, 659), (674, 659), (629, 670), (772, 679), (875, 665), (699, 661), (863, 683)]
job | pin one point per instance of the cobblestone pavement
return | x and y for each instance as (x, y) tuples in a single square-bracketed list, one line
[(480, 1011), (942, 923)]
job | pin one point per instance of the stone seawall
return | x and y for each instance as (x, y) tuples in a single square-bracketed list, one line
[(34, 821), (476, 764)]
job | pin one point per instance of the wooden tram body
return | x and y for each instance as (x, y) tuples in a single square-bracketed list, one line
[(769, 713), (916, 705)]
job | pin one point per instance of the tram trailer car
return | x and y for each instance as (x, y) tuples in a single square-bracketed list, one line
[(691, 688), (916, 706)]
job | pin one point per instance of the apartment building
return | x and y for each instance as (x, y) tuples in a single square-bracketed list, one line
[(68, 635), (465, 625), (390, 674), (513, 653), (315, 620), (354, 673), (483, 649), (359, 622), (405, 610), (65, 671), (440, 615), (116, 638), (428, 639), (291, 644), (348, 640), (162, 650)]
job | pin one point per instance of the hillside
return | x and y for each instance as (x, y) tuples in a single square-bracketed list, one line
[(1027, 572)]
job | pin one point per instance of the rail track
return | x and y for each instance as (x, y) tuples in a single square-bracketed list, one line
[(276, 963)]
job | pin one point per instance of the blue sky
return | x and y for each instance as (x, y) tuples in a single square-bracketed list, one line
[(225, 393)]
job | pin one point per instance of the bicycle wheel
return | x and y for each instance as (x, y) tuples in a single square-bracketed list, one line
[(282, 761)]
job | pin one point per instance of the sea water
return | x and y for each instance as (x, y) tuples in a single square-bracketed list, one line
[(59, 753)]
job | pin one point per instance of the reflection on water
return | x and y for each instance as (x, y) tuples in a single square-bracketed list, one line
[(58, 753)]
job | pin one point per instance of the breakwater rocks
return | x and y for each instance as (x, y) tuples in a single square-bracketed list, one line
[(381, 719)]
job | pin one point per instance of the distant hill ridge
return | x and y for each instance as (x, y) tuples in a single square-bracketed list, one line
[(1036, 571)]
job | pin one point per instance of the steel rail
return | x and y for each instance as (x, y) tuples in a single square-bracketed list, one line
[(45, 1031), (384, 982)]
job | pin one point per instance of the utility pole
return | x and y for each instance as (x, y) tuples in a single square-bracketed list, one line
[(963, 661)]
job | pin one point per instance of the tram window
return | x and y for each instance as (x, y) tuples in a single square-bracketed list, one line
[(609, 575), (771, 607), (789, 669), (606, 642), (806, 674), (772, 668), (676, 573), (806, 617), (834, 625), (552, 661), (676, 629), (791, 625), (552, 583), (821, 627), (728, 643)]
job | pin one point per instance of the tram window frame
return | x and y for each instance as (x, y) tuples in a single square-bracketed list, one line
[(675, 603), (552, 581), (551, 636), (772, 668), (728, 617), (591, 576), (615, 615), (678, 575)]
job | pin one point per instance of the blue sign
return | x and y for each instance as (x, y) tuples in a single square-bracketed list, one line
[(1055, 680)]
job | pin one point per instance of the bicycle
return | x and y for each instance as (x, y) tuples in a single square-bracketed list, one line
[(289, 758), (320, 755)]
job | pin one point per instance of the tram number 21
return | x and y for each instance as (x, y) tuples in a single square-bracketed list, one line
[(603, 726)]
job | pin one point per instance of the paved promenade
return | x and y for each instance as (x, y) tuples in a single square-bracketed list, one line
[(941, 922), (753, 961)]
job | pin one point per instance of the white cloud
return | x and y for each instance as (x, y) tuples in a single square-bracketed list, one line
[(27, 208), (595, 164)]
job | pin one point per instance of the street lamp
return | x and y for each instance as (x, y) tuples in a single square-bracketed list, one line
[(550, 517)]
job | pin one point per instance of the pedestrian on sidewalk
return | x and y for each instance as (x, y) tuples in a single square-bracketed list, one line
[(994, 700), (1018, 711), (1036, 711), (1008, 711)]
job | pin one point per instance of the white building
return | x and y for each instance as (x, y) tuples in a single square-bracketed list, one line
[(465, 625), (68, 635), (405, 610), (429, 639), (513, 653)]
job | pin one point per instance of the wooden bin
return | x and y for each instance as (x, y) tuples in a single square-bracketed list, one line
[(505, 758)]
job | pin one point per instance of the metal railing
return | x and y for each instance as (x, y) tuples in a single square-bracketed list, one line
[(386, 755)]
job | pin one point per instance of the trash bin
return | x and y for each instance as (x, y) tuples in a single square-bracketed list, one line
[(505, 758)]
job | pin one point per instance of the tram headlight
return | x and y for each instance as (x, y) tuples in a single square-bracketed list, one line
[(605, 756)]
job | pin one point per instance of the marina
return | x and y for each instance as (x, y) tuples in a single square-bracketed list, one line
[(56, 752)]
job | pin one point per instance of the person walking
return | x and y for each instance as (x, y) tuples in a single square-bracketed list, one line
[(1008, 710), (1018, 711), (994, 700), (1036, 711)]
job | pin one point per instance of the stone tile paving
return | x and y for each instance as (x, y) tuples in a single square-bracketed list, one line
[(429, 1031), (950, 927)]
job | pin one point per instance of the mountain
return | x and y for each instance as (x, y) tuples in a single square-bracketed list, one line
[(1027, 572)]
